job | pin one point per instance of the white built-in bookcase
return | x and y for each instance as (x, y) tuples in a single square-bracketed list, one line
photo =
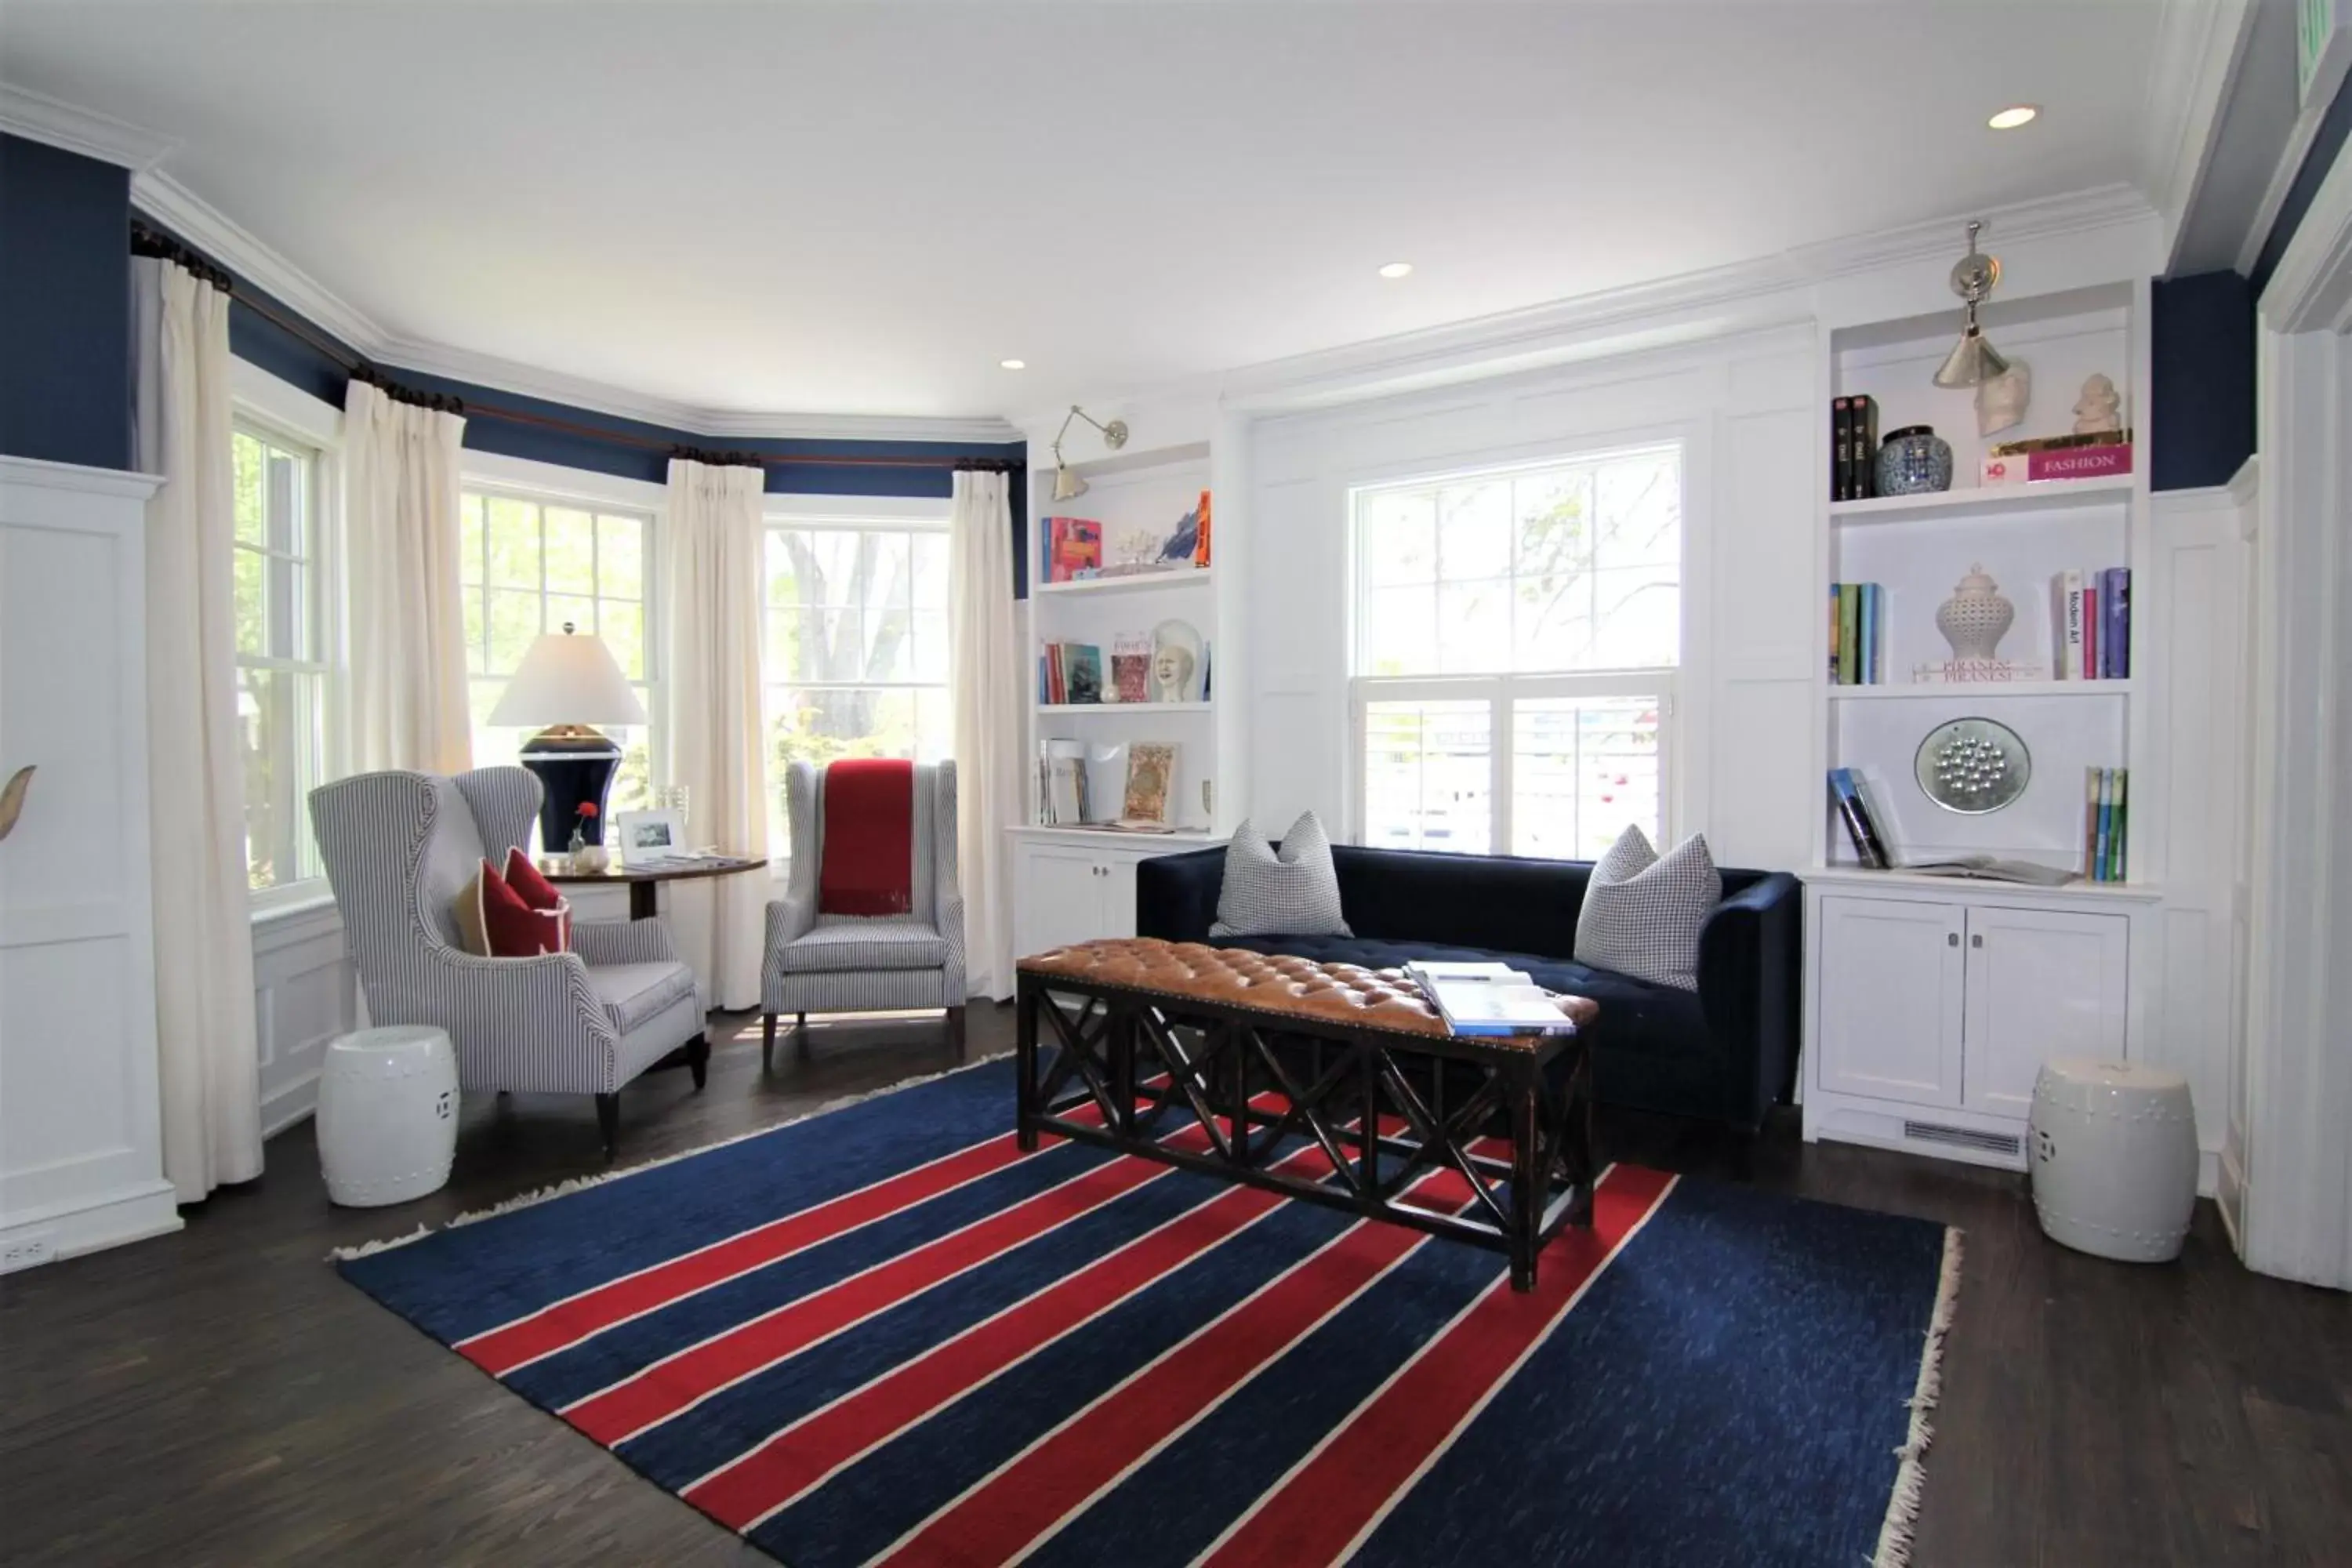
[(1146, 491), (1917, 548), (1929, 1003)]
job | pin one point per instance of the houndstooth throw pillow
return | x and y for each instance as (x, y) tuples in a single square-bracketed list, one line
[(1296, 893), (1641, 913)]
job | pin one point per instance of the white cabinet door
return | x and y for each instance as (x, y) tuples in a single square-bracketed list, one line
[(1057, 896), (2040, 984), (1890, 1000), (1119, 895)]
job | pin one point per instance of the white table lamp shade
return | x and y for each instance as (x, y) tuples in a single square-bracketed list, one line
[(568, 677)]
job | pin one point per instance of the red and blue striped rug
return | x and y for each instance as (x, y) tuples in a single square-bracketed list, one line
[(885, 1335)]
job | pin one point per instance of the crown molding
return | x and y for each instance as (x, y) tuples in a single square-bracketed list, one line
[(2199, 46), (235, 247), (86, 131), (1756, 294)]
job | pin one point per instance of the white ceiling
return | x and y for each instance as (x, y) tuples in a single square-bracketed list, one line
[(861, 208)]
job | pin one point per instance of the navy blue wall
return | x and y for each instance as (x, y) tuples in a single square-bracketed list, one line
[(65, 306), (2201, 332)]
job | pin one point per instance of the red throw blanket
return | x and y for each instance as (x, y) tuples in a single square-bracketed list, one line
[(868, 864)]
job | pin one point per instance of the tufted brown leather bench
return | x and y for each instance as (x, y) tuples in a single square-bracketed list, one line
[(1279, 987), (1143, 1029)]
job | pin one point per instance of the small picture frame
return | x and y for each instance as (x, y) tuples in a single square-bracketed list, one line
[(649, 835)]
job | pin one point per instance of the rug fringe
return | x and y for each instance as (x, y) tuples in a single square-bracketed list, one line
[(570, 1184), (1896, 1536)]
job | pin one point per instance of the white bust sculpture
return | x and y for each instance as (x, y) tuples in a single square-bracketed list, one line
[(2000, 402), (1171, 672), (2100, 408)]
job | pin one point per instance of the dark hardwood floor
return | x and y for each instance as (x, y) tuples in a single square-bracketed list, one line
[(221, 1397)]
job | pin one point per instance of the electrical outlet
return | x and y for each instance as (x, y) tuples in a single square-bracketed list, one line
[(27, 1252)]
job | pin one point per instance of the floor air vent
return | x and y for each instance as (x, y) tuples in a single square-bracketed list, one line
[(1965, 1138)]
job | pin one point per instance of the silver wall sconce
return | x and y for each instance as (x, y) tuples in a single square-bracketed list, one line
[(1973, 361), (1067, 485)]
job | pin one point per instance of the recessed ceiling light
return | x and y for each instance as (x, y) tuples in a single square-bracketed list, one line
[(1397, 269), (1013, 364), (2015, 115)]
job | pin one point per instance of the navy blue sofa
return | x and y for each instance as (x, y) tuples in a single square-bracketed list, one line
[(1728, 1052)]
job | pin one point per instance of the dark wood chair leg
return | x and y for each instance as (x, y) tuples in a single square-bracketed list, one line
[(767, 1039), (955, 1030), (800, 1036), (697, 1059), (608, 1122)]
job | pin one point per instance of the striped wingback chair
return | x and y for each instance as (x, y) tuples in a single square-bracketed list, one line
[(819, 963), (400, 847)]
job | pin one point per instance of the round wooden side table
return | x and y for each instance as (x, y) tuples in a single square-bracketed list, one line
[(643, 879)]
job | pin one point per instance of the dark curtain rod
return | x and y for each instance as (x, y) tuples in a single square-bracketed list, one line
[(147, 241)]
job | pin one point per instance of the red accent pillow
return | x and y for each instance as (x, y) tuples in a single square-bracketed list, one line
[(494, 920), (525, 878)]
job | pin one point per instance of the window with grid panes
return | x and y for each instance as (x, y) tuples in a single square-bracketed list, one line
[(1517, 633), (282, 644), (529, 566), (856, 655)]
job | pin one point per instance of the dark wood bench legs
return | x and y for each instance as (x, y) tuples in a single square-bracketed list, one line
[(608, 1121)]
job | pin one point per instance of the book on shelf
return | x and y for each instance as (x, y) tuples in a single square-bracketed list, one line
[(1986, 868), (2106, 822), (1081, 671), (1853, 810), (1488, 999), (1073, 548), (2060, 443), (2114, 605), (1200, 543), (1840, 448), (2053, 468), (1150, 783), (1849, 634)]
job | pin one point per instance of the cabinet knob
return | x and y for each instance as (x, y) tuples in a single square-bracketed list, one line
[(1977, 940), (1951, 938)]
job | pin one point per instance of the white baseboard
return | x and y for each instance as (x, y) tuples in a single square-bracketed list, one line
[(290, 1103), (42, 1237)]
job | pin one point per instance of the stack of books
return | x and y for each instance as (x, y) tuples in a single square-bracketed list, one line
[(1488, 999), (1063, 797), (2091, 637), (2041, 458), (1073, 548), (2105, 823), (1854, 447), (1070, 672), (1845, 794), (1857, 634)]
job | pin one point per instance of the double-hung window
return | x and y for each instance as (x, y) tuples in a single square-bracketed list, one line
[(856, 655), (532, 566), (1517, 634), (283, 643)]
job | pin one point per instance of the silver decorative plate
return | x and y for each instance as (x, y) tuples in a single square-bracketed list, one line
[(1972, 765)]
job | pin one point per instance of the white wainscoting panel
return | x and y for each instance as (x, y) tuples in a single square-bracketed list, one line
[(304, 995)]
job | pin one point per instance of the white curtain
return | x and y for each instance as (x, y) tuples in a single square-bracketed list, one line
[(407, 702), (204, 1031), (711, 585), (990, 682)]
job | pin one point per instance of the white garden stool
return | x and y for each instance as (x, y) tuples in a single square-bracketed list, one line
[(2115, 1158), (387, 1115)]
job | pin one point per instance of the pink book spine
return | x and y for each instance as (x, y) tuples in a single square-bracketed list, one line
[(2078, 463)]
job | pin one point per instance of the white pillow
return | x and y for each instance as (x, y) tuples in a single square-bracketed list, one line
[(1641, 913), (1296, 893)]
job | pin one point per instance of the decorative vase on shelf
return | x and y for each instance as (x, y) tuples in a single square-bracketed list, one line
[(1976, 618), (1914, 461)]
